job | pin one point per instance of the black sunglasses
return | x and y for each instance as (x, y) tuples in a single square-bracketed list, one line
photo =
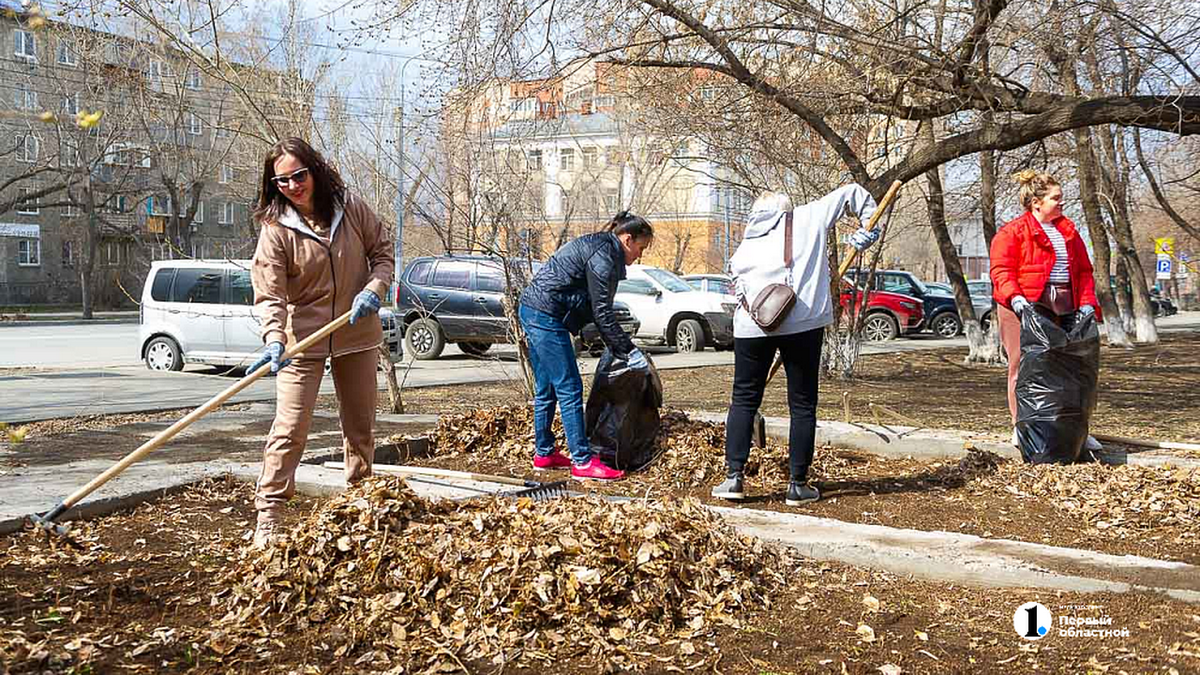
[(298, 177)]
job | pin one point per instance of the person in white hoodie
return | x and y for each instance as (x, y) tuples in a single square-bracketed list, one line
[(757, 263)]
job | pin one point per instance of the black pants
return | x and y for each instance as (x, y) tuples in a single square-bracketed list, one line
[(801, 354)]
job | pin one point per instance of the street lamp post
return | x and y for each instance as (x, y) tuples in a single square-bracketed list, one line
[(398, 246)]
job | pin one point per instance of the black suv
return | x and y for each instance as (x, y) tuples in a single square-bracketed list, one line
[(459, 299), (941, 314)]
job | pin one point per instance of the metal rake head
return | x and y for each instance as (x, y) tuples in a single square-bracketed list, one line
[(544, 492)]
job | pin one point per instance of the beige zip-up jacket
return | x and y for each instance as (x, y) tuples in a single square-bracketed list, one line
[(302, 281)]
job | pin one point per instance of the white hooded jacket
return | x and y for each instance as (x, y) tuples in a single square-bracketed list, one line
[(759, 262)]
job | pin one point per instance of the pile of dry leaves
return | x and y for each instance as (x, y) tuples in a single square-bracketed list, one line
[(423, 585), (1116, 498)]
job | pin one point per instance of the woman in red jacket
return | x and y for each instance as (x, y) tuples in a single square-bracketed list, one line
[(1039, 259)]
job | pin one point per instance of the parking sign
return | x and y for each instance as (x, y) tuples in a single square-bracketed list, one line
[(1163, 271)]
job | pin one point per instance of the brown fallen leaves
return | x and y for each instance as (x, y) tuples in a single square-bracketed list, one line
[(428, 586)]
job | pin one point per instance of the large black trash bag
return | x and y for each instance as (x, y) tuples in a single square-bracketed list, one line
[(622, 413), (1056, 387)]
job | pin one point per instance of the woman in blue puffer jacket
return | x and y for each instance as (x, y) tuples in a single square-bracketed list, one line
[(574, 288)]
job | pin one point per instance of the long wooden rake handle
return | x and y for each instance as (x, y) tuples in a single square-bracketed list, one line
[(851, 254), (398, 470), (170, 432)]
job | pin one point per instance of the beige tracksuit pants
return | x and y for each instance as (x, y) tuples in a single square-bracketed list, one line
[(296, 388)]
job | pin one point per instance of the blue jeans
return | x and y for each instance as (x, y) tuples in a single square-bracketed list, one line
[(556, 374)]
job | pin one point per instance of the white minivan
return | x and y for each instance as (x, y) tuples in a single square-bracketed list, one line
[(199, 311)]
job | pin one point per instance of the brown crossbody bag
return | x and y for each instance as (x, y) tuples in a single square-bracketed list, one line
[(772, 304)]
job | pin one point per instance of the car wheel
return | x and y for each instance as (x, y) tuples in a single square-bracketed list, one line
[(689, 336), (474, 348), (946, 325), (880, 327), (163, 353), (424, 339), (986, 322)]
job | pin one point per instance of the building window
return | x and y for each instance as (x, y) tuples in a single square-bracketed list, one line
[(158, 206), (590, 155), (69, 155), (198, 219), (192, 80), (71, 104), (612, 199), (28, 148), (127, 154), (25, 98), (195, 124), (535, 160), (198, 250), (226, 213), (29, 252), (606, 101), (223, 131), (566, 159), (68, 253), (161, 69), (116, 204), (28, 204), (112, 253), (24, 45), (226, 174), (66, 53), (524, 105)]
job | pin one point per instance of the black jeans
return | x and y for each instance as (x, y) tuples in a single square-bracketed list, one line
[(752, 359)]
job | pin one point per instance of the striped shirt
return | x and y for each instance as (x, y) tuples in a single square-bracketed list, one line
[(1059, 274)]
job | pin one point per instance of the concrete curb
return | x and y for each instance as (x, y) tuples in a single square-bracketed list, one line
[(70, 322)]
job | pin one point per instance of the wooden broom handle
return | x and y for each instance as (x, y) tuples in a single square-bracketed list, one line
[(214, 402), (851, 252)]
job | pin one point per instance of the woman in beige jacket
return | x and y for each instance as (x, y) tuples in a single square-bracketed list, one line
[(321, 252)]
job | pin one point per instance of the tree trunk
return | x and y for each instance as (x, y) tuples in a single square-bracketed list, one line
[(979, 350), (1102, 262), (987, 205), (86, 266), (1124, 297), (395, 395)]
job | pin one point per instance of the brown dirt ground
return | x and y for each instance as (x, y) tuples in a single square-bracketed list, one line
[(1148, 392), (137, 598)]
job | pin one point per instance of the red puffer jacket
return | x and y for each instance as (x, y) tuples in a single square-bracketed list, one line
[(1022, 257)]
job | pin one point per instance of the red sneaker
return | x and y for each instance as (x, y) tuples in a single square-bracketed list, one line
[(554, 460), (595, 470)]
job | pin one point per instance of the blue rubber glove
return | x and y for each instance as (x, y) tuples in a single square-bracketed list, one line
[(637, 360), (1084, 312), (365, 303), (862, 238), (1019, 304), (272, 354)]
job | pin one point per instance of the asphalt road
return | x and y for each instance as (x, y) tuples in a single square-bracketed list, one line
[(69, 370)]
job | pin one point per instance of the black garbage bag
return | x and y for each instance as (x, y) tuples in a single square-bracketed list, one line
[(622, 413), (1056, 387)]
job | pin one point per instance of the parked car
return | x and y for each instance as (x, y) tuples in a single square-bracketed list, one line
[(888, 315), (1161, 304), (460, 299), (981, 303), (673, 313), (589, 337), (941, 314), (199, 311), (710, 283), (981, 300)]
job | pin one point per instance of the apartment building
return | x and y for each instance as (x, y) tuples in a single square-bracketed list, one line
[(537, 162), (167, 172)]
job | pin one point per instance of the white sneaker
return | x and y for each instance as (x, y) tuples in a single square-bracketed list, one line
[(265, 534), (1091, 444), (1016, 443)]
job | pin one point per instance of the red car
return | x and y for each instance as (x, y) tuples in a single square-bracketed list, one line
[(889, 315)]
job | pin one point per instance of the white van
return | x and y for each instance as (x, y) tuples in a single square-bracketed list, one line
[(199, 311)]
